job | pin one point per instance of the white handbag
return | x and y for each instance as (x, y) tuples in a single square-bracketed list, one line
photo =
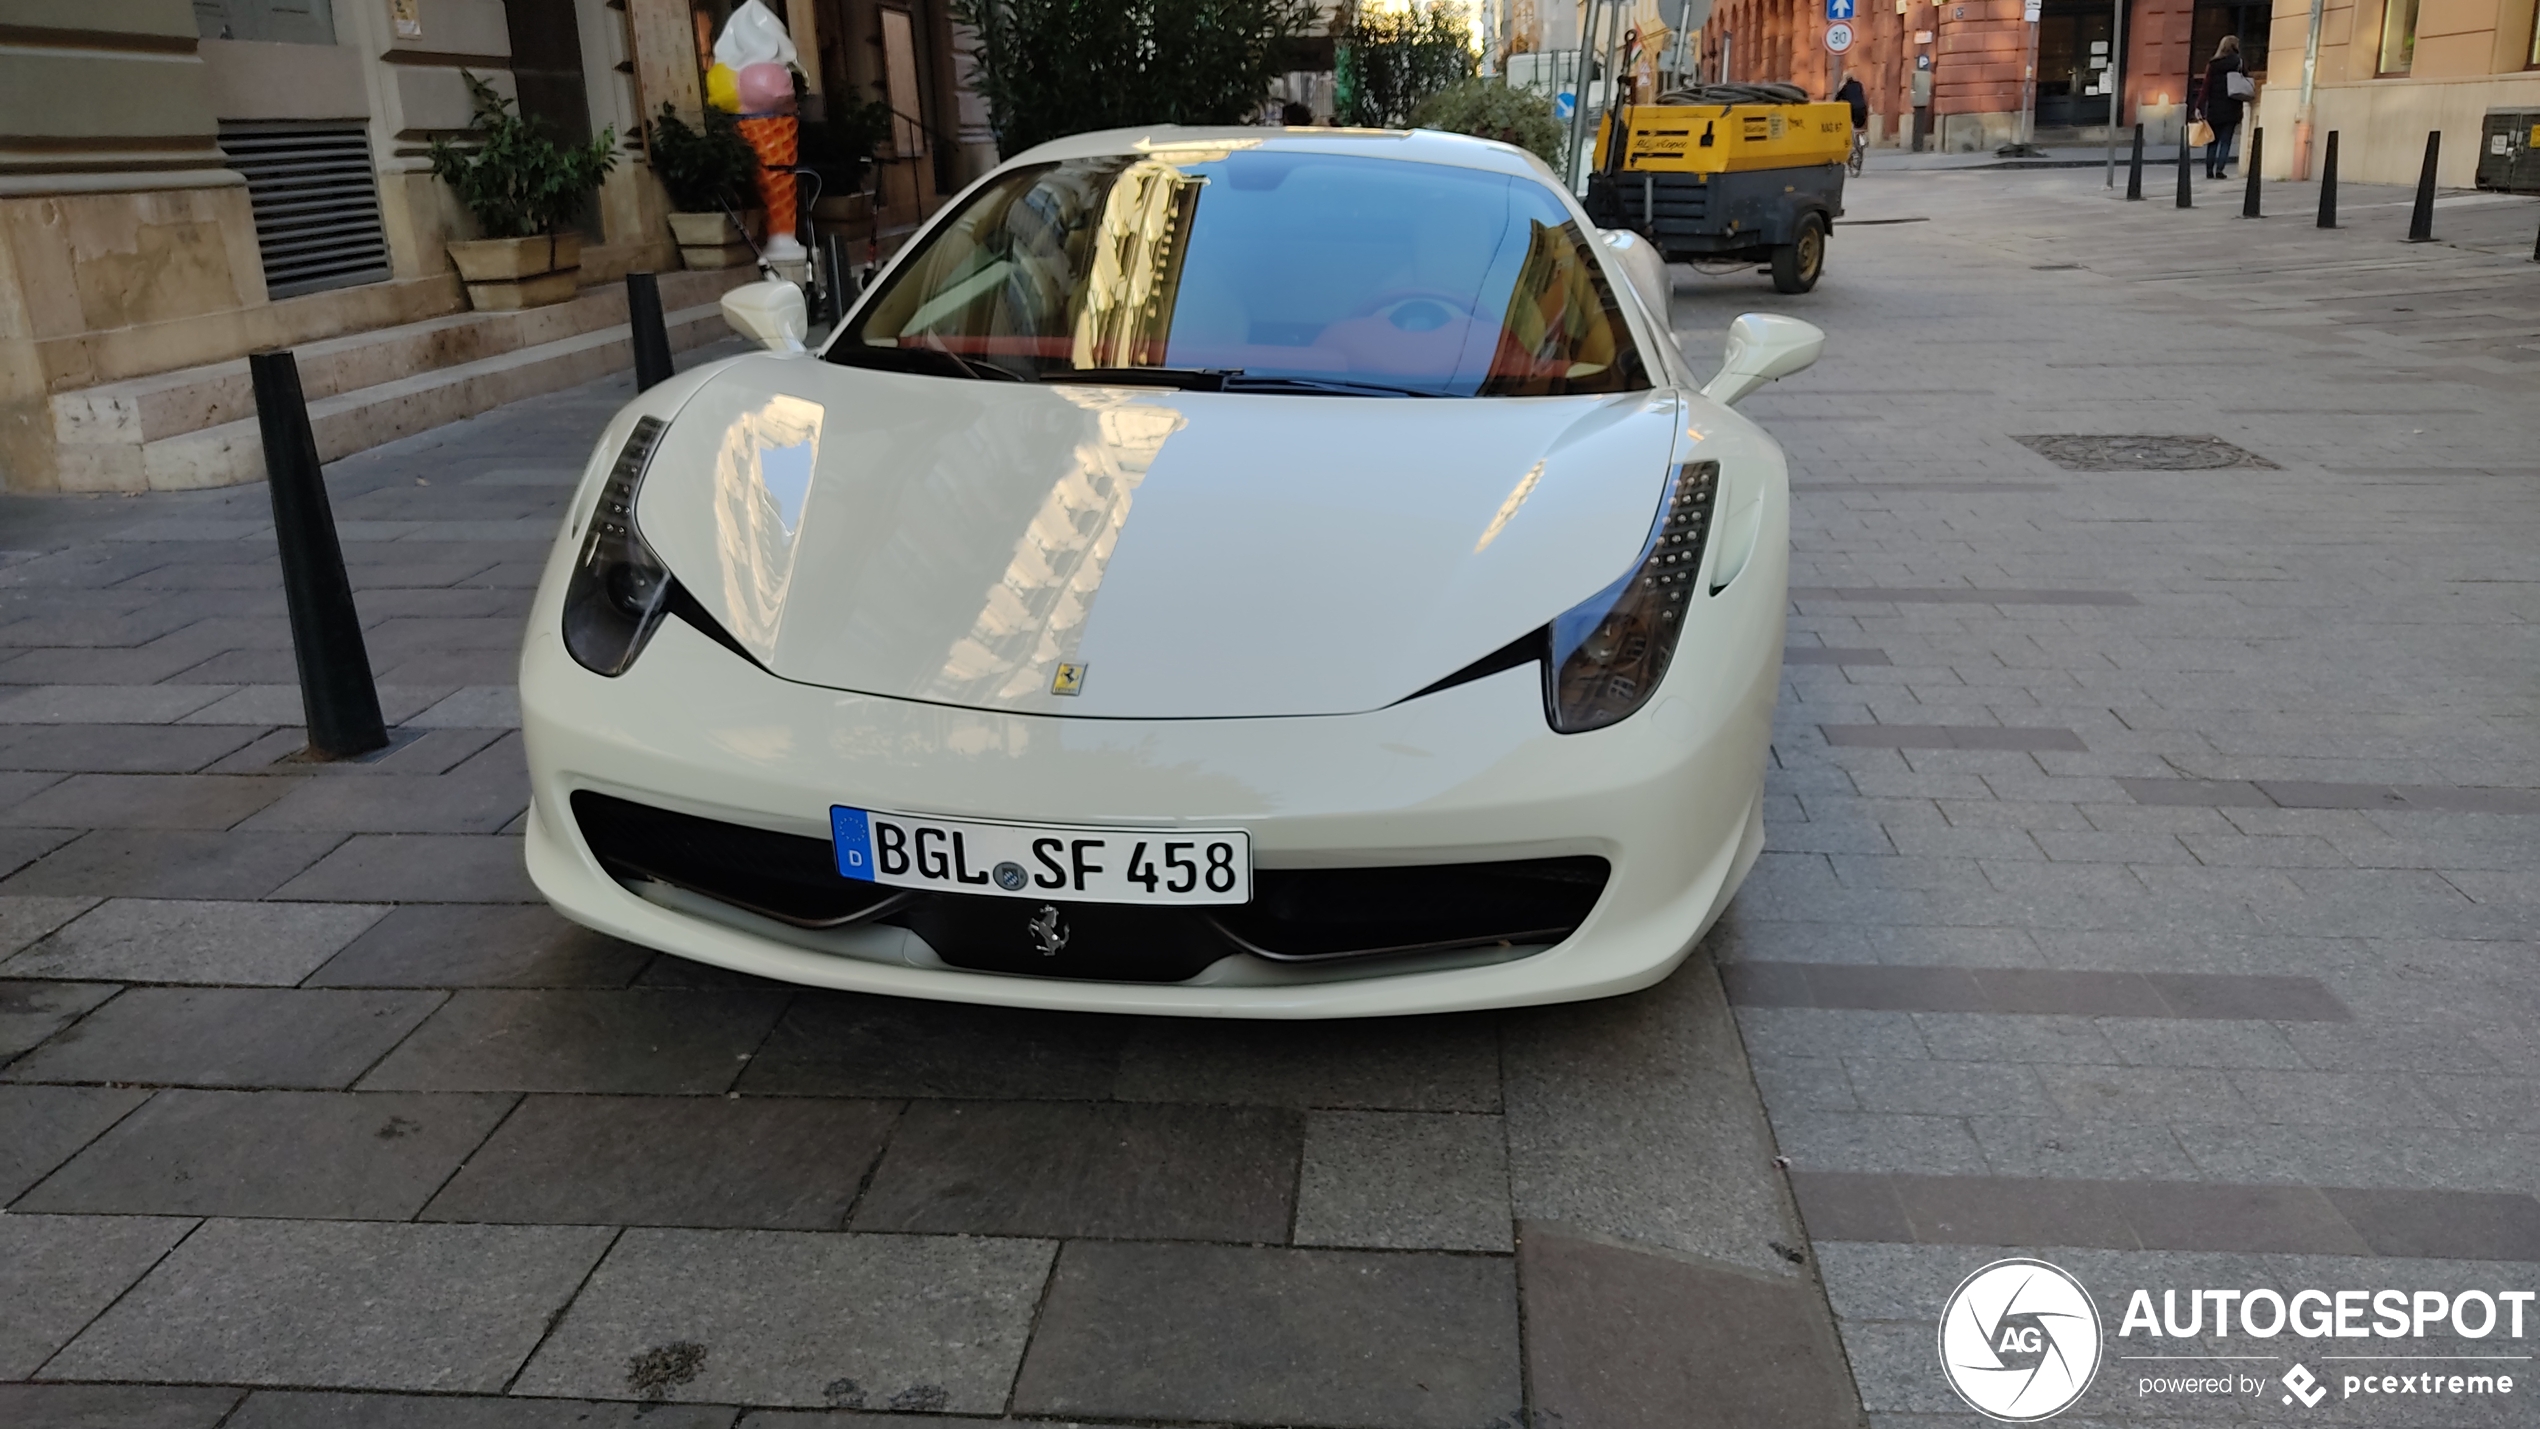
[(2239, 85)]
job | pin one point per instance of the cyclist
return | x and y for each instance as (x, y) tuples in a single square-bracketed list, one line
[(1853, 94)]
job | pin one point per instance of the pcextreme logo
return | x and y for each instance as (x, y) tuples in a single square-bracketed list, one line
[(2019, 1340)]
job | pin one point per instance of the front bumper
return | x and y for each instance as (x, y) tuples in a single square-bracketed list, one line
[(1671, 798)]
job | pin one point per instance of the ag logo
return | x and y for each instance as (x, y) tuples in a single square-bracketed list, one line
[(2019, 1340)]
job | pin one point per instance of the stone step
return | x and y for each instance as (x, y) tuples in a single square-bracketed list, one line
[(233, 452), (104, 431)]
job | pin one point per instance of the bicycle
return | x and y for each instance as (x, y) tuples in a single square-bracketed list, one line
[(1860, 152)]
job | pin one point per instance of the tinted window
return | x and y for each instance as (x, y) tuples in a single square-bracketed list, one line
[(1273, 264)]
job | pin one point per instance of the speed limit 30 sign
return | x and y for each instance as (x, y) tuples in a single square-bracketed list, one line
[(1838, 37)]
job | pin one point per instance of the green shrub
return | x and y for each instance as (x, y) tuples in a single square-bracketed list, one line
[(1050, 68), (1492, 109), (516, 180), (703, 169), (1392, 60)]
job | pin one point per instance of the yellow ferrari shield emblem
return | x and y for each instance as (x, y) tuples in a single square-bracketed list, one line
[(1070, 680)]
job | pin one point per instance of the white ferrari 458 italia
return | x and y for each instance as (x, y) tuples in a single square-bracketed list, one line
[(1246, 572)]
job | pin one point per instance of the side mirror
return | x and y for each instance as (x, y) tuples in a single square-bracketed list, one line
[(1762, 348), (769, 313)]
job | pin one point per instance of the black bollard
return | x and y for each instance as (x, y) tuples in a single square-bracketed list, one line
[(840, 288), (2134, 169), (652, 339), (336, 694), (2257, 150), (2421, 220), (2186, 195), (2328, 183)]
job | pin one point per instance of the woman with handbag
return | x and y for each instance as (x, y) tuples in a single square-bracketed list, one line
[(2227, 86)]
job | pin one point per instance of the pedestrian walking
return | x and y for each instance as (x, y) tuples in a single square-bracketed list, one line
[(2227, 86)]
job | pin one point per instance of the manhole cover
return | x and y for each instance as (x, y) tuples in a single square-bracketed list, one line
[(2074, 453)]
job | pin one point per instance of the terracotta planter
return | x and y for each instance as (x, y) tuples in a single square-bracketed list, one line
[(712, 240), (507, 273)]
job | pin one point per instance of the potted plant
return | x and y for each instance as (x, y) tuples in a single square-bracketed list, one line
[(707, 174), (523, 188)]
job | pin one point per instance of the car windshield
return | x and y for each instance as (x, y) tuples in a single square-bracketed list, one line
[(1236, 268)]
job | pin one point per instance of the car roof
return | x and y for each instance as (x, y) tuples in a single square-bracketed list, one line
[(1426, 146)]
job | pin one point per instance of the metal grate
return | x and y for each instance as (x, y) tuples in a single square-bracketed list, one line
[(2083, 453), (316, 201)]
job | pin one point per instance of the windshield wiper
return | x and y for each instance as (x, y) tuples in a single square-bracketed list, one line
[(1229, 379), (940, 361), (981, 370), (1189, 379), (1341, 386)]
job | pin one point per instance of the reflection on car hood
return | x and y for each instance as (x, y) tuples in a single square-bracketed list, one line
[(1196, 554)]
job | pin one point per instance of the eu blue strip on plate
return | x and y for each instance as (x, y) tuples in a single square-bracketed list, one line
[(851, 831)]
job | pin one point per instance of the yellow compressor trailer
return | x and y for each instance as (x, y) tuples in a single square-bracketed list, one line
[(1741, 172)]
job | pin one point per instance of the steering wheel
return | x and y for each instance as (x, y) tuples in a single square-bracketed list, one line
[(1457, 306)]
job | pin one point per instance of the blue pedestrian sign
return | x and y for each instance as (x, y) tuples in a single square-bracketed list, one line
[(1839, 9)]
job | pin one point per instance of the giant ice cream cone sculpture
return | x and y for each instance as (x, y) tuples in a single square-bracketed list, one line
[(759, 56)]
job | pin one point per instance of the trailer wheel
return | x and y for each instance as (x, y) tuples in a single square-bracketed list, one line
[(1798, 263)]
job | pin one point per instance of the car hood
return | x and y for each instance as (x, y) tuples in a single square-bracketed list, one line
[(1197, 554)]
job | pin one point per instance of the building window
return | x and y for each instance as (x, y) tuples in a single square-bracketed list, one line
[(2398, 36)]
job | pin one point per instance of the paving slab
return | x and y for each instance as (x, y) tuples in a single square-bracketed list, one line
[(229, 1037), (481, 945), (41, 1127), (23, 920), (1404, 1181), (305, 1155), (635, 1040), (304, 1409), (196, 941), (31, 1011), (788, 1318), (777, 1163), (1269, 1335), (1392, 1064), (1088, 1169), (416, 868), (1636, 1118), (845, 1044), (146, 801), (115, 1406), (166, 863), (349, 1304), (62, 1270), (1624, 1337)]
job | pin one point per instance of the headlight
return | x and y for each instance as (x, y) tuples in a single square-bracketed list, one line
[(1610, 651), (620, 590)]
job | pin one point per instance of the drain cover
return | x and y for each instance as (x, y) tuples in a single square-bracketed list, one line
[(2075, 453)]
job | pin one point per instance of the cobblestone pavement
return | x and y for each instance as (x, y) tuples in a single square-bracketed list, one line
[(306, 1095), (2151, 889), (2152, 874)]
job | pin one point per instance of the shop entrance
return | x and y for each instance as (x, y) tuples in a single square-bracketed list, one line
[(2072, 64)]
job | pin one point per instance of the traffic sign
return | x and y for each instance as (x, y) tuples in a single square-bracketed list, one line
[(1838, 35), (1839, 9)]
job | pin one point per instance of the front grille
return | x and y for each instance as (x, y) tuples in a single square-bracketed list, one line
[(1317, 915)]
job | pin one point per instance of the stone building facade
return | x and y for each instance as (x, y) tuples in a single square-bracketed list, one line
[(2390, 71), (185, 181)]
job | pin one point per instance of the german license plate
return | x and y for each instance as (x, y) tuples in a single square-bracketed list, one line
[(1045, 861)]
